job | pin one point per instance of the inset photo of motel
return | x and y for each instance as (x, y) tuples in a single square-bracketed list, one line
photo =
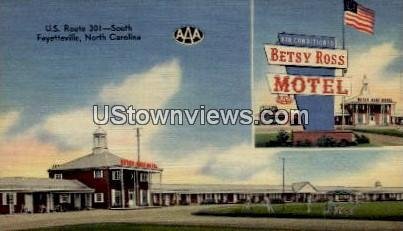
[(319, 120), (315, 91)]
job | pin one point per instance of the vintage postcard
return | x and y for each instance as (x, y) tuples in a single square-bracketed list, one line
[(201, 115)]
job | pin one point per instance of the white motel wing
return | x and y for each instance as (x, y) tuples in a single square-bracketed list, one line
[(308, 85), (302, 56)]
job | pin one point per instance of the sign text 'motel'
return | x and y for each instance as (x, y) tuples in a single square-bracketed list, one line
[(308, 85), (302, 56)]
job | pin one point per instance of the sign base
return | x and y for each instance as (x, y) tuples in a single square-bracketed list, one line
[(322, 138)]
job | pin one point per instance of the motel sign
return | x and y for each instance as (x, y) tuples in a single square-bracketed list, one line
[(301, 56), (305, 57), (308, 85)]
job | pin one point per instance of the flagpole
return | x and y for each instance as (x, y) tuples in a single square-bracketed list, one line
[(343, 70)]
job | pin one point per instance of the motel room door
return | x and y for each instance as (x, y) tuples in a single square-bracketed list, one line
[(29, 203), (143, 197), (132, 199), (77, 201)]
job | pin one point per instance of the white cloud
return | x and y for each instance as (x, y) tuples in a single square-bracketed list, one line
[(239, 164), (150, 89), (7, 121)]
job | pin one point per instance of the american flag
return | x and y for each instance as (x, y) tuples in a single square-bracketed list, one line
[(359, 17)]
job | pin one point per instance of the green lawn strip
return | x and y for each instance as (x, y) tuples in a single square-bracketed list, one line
[(143, 227), (368, 145), (386, 132), (262, 139), (362, 211)]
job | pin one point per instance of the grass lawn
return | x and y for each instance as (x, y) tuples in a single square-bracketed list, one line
[(386, 132), (390, 210), (368, 145), (262, 139), (142, 227)]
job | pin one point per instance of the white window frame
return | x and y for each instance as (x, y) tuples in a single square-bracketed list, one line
[(116, 175), (58, 176), (6, 194), (116, 194), (101, 199), (98, 176), (144, 177), (65, 198)]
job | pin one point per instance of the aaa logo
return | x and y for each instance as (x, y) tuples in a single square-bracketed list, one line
[(188, 35)]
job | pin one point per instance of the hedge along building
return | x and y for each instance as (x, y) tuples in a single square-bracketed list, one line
[(118, 182)]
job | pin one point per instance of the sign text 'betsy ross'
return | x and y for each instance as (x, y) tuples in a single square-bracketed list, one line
[(302, 56), (308, 85), (138, 164)]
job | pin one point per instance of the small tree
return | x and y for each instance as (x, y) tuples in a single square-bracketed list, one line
[(282, 138)]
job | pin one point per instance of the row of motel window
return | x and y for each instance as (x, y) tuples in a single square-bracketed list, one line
[(116, 175), (11, 198)]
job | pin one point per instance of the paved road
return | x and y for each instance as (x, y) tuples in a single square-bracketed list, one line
[(182, 215)]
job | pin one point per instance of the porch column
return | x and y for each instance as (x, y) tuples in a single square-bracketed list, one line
[(150, 178), (225, 197), (88, 200), (122, 188), (167, 202), (148, 197), (235, 198), (48, 202), (160, 197), (199, 199), (134, 189)]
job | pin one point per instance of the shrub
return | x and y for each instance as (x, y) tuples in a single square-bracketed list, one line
[(282, 138), (361, 139), (304, 143), (326, 141)]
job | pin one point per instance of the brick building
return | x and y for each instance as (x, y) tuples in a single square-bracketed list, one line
[(118, 182)]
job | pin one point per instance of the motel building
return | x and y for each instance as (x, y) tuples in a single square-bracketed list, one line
[(174, 194), (39, 195), (117, 182), (366, 109), (97, 180), (102, 180)]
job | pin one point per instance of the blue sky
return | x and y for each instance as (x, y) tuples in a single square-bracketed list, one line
[(41, 85)]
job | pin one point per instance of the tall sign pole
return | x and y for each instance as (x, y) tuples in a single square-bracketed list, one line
[(343, 70)]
